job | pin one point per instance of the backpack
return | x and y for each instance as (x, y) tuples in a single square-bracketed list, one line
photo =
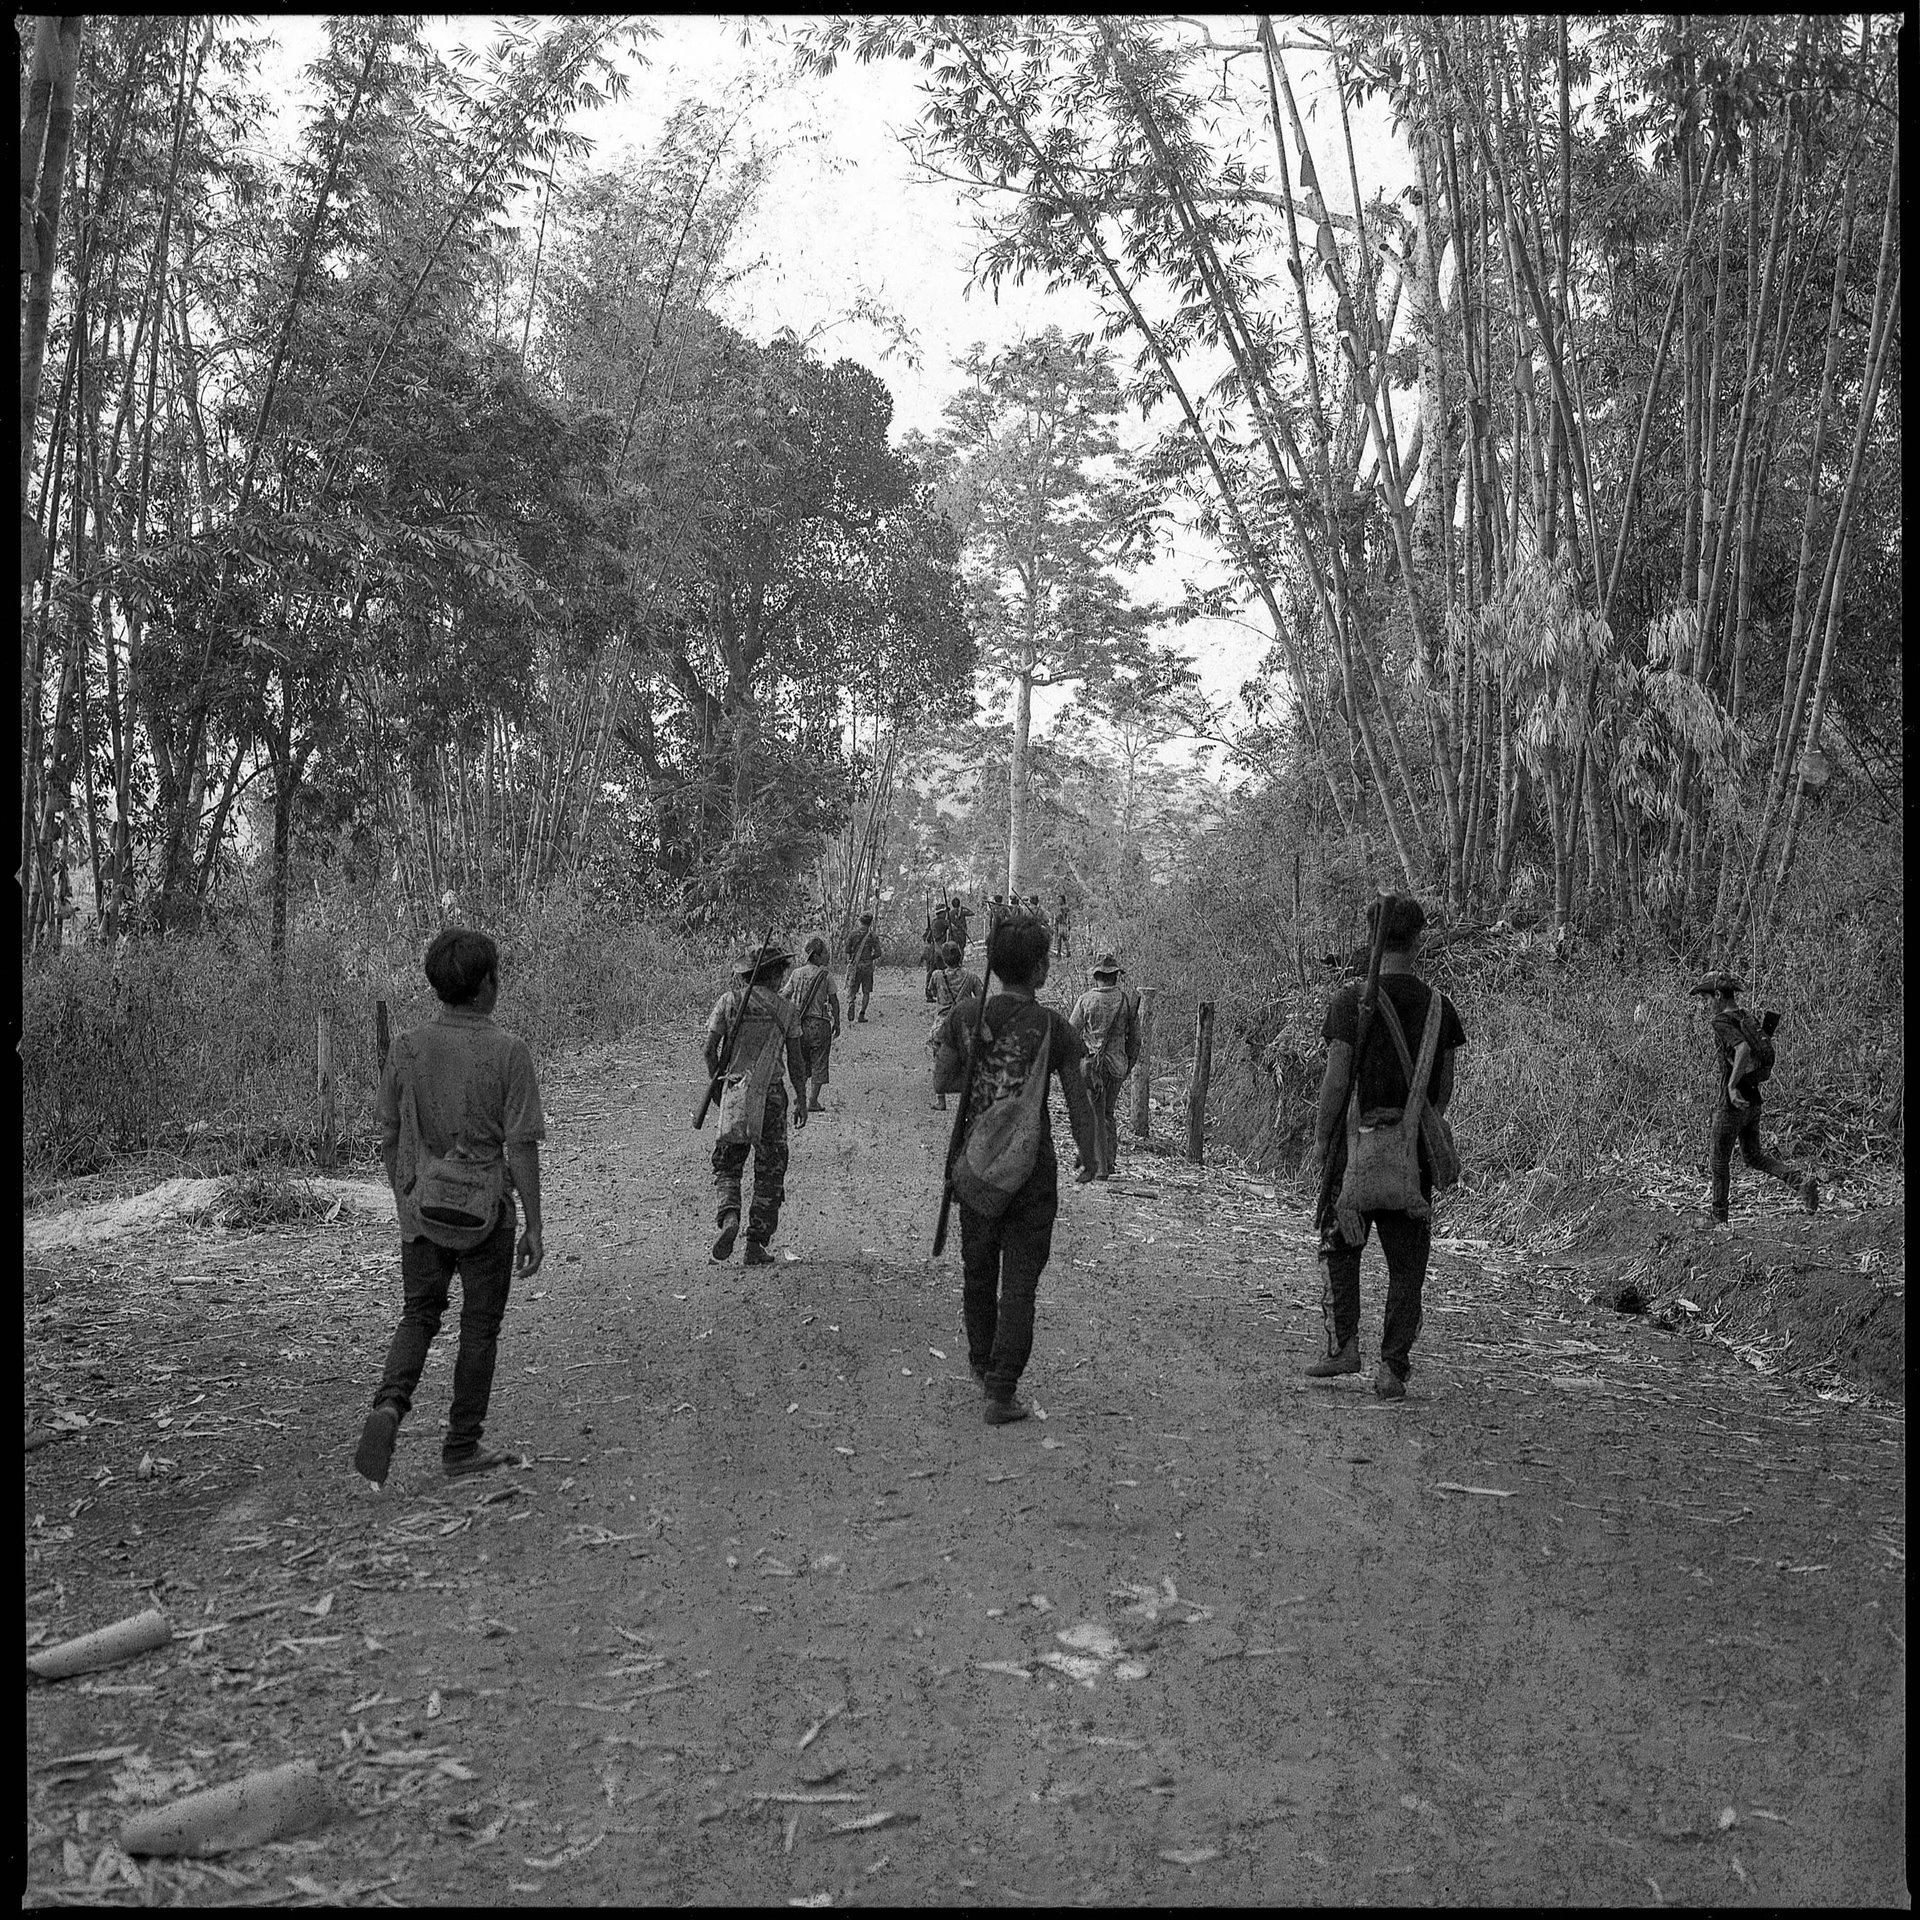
[(1755, 1031), (457, 1197), (1383, 1160), (1003, 1145)]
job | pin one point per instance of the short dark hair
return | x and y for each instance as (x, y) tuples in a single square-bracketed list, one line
[(950, 954), (816, 948), (458, 963), (1403, 920), (1019, 953)]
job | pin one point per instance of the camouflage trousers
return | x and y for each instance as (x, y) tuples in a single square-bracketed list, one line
[(769, 1170)]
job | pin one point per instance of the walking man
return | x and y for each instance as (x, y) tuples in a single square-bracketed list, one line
[(460, 1132), (1744, 1041), (957, 917), (1062, 919), (1106, 1020), (753, 1108), (863, 948), (1003, 1256), (933, 940), (1382, 1082), (953, 986), (817, 1001)]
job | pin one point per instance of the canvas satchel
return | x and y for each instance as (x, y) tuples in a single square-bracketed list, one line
[(1383, 1163), (743, 1097), (1003, 1144), (1443, 1157), (456, 1195)]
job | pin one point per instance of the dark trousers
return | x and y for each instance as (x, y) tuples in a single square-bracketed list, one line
[(862, 984), (1106, 1099), (1730, 1123), (1406, 1242), (1002, 1261), (427, 1270), (769, 1170)]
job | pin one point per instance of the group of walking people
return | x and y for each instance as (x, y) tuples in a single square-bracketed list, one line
[(461, 1124)]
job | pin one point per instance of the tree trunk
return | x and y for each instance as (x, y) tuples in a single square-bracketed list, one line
[(1017, 781), (49, 136)]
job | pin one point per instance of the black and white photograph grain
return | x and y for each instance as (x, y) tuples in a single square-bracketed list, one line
[(1301, 616)]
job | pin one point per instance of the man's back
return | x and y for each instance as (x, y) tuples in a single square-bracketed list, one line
[(1103, 1016), (473, 1083), (1382, 1080), (769, 1021), (811, 990)]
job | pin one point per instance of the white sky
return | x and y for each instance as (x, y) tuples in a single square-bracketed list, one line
[(842, 214)]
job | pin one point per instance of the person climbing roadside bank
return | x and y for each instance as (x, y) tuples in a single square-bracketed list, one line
[(1743, 1041), (1006, 1235), (1373, 1093), (1105, 1017), (460, 1133), (753, 1105), (863, 949), (817, 1001)]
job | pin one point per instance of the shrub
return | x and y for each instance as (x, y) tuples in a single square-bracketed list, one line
[(190, 1047)]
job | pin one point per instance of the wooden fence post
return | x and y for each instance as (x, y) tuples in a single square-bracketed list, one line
[(1143, 1067), (382, 1032), (1197, 1093), (328, 1118)]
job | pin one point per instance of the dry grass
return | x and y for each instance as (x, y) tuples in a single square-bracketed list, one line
[(190, 1052)]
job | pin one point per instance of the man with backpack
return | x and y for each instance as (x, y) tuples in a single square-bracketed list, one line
[(461, 1127), (1383, 1162), (766, 1034), (953, 986), (817, 1001), (933, 940), (1104, 1017), (1005, 1174), (863, 949), (1744, 1041), (957, 918)]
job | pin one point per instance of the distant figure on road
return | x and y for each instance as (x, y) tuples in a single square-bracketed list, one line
[(1105, 1018), (753, 1107), (460, 1132), (953, 986), (933, 940), (1405, 1238), (863, 949), (1745, 1044), (817, 1001), (1004, 1254), (1062, 922)]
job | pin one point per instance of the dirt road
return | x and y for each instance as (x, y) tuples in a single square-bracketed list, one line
[(1596, 1615)]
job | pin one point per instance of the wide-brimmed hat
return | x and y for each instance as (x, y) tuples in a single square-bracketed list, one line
[(1109, 962), (753, 959), (1715, 983)]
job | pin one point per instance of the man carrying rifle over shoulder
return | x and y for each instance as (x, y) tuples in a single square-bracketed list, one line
[(751, 1032), (1359, 1044), (1002, 1054)]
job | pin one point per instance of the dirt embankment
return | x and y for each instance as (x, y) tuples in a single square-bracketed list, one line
[(1599, 1614)]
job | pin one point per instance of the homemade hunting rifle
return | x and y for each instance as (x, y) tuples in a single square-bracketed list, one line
[(733, 1034), (1324, 1214), (959, 1134)]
